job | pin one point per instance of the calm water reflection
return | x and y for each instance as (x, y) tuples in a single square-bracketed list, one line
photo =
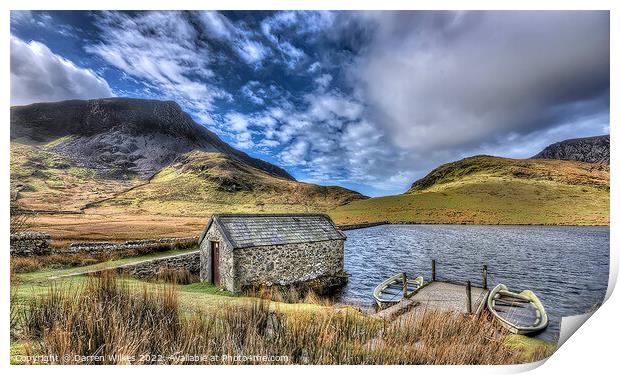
[(567, 267)]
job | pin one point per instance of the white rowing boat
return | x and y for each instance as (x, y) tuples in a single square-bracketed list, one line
[(395, 288), (520, 313)]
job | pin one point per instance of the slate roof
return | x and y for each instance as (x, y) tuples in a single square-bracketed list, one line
[(251, 230)]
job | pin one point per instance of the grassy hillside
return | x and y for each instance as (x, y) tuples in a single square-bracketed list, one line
[(175, 202), (492, 190), (45, 180), (202, 183)]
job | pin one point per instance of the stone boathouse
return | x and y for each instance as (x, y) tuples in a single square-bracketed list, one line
[(241, 251)]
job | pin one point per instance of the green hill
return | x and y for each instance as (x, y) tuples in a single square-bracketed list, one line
[(200, 183), (493, 190)]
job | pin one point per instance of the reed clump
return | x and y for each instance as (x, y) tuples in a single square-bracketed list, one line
[(180, 276), (108, 322), (289, 294)]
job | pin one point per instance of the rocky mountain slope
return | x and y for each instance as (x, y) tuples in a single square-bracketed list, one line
[(589, 150), (144, 157), (121, 137), (494, 190)]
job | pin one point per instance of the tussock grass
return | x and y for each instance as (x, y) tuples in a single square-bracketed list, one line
[(289, 294), (105, 318), (177, 276)]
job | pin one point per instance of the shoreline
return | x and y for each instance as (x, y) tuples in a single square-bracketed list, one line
[(362, 225), (345, 227)]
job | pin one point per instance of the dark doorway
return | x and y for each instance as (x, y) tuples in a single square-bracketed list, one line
[(215, 263)]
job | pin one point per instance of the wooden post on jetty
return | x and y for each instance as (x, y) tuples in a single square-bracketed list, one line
[(468, 291), (484, 276), (433, 270), (404, 285)]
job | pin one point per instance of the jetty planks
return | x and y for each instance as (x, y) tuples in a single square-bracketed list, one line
[(438, 296)]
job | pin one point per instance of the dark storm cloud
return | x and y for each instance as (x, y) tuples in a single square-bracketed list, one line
[(455, 80)]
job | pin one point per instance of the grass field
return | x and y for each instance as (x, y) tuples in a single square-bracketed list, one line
[(488, 190), (132, 321)]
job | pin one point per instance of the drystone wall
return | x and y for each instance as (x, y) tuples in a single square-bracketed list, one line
[(151, 268), (30, 243), (100, 247)]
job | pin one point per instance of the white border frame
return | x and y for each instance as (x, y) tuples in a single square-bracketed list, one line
[(592, 348)]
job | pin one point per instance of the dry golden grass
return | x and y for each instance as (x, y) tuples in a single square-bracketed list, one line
[(106, 322), (289, 294), (65, 229)]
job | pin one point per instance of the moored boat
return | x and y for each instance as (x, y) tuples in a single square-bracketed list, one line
[(520, 313), (395, 288)]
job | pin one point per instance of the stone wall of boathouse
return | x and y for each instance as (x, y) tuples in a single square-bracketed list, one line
[(290, 264)]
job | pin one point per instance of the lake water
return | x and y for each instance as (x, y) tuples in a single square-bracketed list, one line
[(567, 267)]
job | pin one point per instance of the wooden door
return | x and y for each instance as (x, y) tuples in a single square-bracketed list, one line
[(215, 263)]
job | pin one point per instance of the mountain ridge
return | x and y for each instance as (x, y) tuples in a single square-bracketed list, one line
[(122, 136)]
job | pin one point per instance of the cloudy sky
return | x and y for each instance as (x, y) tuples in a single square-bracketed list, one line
[(366, 100)]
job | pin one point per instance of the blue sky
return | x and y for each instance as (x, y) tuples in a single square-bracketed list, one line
[(366, 100)]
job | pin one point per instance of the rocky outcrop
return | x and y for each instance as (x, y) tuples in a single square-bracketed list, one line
[(588, 150), (30, 243), (122, 137)]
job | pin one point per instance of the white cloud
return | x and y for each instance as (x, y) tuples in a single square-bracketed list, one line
[(323, 80), (314, 67), (237, 127), (218, 25), (334, 105), (39, 75), (163, 50), (251, 51), (295, 154), (248, 90), (240, 39), (237, 122), (279, 27)]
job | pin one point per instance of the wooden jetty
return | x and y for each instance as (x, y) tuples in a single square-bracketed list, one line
[(441, 296)]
